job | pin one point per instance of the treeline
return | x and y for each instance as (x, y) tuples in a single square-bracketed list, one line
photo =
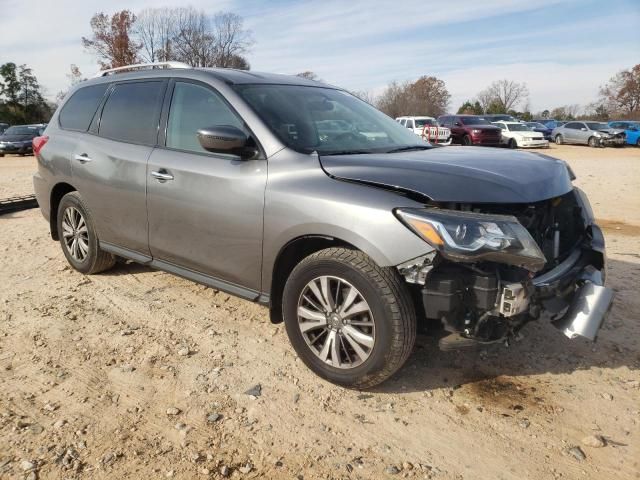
[(21, 99), (182, 34), (619, 98)]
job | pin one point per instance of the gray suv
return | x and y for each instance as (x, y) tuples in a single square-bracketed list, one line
[(355, 237)]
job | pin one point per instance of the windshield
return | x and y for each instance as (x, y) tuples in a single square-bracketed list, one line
[(535, 125), (597, 126), (474, 121), (326, 120), (21, 131), (518, 127), (421, 122)]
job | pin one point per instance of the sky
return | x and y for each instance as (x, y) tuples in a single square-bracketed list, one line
[(562, 50)]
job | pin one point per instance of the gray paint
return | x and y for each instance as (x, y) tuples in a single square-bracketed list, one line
[(223, 221)]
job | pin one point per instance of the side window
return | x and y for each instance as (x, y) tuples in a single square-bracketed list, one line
[(403, 122), (77, 112), (132, 112), (573, 126), (194, 107), (410, 123)]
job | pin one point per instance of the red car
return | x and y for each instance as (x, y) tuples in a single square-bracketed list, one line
[(471, 130)]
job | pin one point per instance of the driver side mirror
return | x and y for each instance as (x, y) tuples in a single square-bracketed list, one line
[(583, 129), (227, 139)]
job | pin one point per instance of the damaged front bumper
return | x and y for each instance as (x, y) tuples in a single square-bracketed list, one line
[(574, 292), (475, 306)]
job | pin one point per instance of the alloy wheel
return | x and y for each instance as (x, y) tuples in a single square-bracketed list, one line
[(336, 322), (75, 234)]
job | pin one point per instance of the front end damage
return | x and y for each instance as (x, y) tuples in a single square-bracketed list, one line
[(489, 298)]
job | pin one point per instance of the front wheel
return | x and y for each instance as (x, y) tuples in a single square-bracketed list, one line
[(349, 320), (512, 144), (466, 140), (78, 237), (593, 142)]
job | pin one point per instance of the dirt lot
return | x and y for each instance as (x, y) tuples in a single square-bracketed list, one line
[(138, 374)]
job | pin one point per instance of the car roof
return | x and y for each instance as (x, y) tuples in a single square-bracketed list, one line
[(507, 122), (227, 75)]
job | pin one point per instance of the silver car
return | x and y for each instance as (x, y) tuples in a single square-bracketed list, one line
[(594, 134), (299, 196)]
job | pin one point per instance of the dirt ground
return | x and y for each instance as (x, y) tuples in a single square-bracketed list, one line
[(136, 373)]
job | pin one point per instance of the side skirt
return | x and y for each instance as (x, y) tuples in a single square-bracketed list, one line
[(201, 278)]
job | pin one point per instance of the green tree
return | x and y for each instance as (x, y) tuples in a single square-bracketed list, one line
[(468, 108)]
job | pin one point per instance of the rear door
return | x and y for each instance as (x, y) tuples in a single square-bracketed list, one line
[(110, 166), (206, 212)]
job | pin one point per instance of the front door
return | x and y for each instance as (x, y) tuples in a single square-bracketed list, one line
[(205, 209)]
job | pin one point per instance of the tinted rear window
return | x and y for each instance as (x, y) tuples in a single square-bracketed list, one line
[(77, 112), (132, 111)]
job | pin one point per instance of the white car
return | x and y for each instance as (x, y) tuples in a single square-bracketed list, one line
[(517, 134), (427, 128)]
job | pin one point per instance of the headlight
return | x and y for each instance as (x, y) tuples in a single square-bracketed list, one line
[(471, 237), (475, 131)]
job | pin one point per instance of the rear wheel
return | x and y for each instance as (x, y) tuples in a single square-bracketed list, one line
[(559, 139), (349, 320), (78, 237)]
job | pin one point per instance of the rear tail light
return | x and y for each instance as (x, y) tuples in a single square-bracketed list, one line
[(38, 143)]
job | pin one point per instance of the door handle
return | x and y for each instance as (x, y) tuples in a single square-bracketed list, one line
[(162, 175), (83, 158)]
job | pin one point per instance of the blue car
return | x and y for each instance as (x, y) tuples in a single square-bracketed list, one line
[(539, 127), (547, 122), (631, 130)]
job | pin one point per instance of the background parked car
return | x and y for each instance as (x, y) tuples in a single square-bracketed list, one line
[(17, 139), (502, 117), (541, 128), (548, 122), (631, 130), (427, 128), (517, 134), (471, 130), (594, 134)]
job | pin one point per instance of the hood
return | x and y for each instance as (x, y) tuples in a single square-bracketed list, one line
[(458, 174), (15, 138), (611, 131)]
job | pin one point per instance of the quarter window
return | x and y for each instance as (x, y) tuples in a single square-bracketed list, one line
[(194, 107), (77, 112), (132, 112)]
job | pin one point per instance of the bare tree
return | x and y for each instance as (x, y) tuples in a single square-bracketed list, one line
[(154, 28), (366, 96), (111, 39), (621, 94), (503, 95), (75, 76), (426, 96), (230, 38)]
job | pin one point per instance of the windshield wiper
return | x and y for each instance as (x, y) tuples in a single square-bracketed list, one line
[(346, 152), (406, 149)]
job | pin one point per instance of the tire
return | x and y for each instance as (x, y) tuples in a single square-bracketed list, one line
[(512, 143), (390, 317), (638, 142), (466, 140), (559, 139), (74, 216), (592, 142)]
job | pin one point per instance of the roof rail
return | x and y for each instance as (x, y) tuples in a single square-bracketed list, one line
[(104, 73)]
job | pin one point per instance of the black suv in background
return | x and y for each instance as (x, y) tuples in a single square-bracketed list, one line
[(18, 139)]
